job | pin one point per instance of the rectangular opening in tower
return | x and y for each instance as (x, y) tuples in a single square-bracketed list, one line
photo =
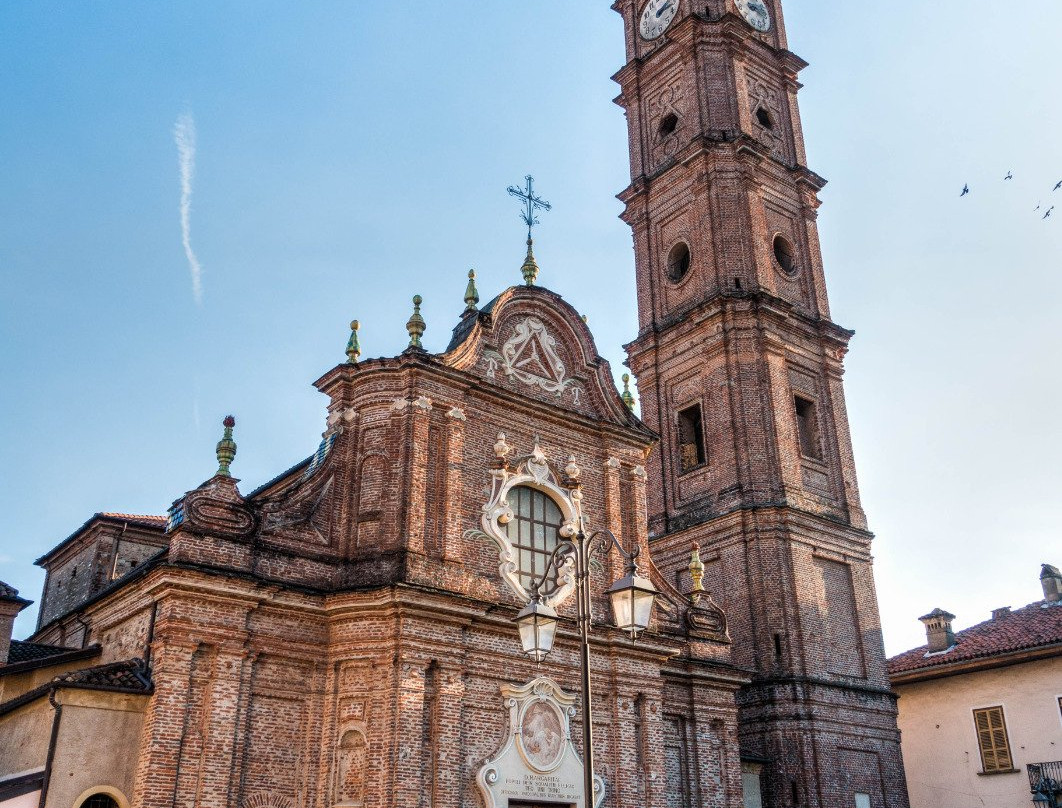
[(808, 428), (691, 438)]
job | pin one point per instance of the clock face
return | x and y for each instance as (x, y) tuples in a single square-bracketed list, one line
[(656, 17), (755, 13)]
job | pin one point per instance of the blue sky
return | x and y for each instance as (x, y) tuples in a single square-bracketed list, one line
[(349, 155)]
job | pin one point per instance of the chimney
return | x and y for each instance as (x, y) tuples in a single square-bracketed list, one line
[(938, 630), (1000, 613), (10, 605), (1051, 581)]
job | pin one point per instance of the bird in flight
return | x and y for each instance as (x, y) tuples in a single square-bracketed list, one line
[(1009, 176), (1058, 185), (1037, 207), (965, 191), (1049, 211)]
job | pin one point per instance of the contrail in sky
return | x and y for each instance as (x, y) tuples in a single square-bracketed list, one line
[(184, 135)]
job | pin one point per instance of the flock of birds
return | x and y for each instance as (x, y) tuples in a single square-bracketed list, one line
[(1010, 176)]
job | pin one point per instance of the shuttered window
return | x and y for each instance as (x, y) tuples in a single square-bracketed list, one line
[(992, 739)]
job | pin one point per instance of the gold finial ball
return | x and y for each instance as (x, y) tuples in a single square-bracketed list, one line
[(471, 274), (626, 378), (354, 325), (417, 300)]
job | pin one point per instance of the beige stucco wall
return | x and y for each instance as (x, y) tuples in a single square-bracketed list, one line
[(98, 743), (82, 762), (940, 751), (24, 738)]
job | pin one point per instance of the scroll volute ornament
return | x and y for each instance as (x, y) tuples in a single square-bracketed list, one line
[(218, 509)]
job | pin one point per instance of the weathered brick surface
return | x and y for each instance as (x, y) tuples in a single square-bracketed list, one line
[(103, 550)]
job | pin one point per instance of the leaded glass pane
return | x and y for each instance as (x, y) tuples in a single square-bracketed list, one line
[(533, 533)]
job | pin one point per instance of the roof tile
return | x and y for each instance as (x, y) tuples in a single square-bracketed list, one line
[(22, 651), (1034, 626), (127, 675)]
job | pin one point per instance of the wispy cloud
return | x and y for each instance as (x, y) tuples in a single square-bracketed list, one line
[(184, 136)]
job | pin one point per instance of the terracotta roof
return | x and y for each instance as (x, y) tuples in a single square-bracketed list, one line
[(22, 651), (9, 593), (148, 519), (1038, 625), (127, 675)]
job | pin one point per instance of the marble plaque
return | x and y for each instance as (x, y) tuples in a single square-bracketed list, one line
[(537, 762)]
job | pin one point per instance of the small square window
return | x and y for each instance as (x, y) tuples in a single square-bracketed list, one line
[(808, 428), (862, 800), (691, 439)]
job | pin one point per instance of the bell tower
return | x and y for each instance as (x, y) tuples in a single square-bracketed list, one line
[(739, 368)]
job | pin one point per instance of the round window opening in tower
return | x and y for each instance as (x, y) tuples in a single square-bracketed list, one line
[(764, 117), (678, 262), (785, 256), (668, 124)]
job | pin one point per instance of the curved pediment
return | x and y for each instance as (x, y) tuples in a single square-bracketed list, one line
[(529, 341)]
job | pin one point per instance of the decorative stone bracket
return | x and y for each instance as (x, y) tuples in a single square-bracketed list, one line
[(533, 471)]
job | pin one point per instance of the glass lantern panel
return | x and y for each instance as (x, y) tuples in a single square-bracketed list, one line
[(623, 608), (643, 608)]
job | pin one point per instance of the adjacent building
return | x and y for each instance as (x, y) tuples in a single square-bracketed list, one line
[(981, 708)]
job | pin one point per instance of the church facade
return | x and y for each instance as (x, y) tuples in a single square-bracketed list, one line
[(344, 635)]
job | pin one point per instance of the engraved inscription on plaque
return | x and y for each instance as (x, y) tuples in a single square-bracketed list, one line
[(537, 765)]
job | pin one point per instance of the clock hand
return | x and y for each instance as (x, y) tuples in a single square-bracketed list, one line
[(663, 8)]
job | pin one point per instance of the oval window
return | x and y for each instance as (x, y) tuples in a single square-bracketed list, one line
[(534, 532), (785, 255), (678, 262), (668, 124)]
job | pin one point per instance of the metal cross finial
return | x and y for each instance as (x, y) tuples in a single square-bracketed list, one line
[(531, 202)]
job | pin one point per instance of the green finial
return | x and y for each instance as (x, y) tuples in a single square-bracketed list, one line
[(628, 399), (353, 345), (471, 293), (226, 448), (416, 325), (529, 268)]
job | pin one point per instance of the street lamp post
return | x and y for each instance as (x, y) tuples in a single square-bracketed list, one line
[(631, 598)]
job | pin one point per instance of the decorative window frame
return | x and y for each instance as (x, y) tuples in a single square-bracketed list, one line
[(533, 471), (110, 791)]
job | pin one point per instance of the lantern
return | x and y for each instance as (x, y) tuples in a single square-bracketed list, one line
[(632, 602), (538, 627)]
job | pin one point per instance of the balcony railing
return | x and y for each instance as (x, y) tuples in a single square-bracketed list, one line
[(1045, 783)]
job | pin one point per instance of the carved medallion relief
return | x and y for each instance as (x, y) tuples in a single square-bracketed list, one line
[(531, 357)]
